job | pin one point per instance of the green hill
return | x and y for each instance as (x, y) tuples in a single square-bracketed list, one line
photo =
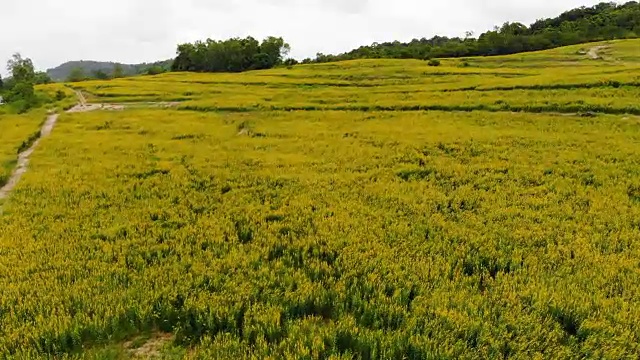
[(62, 72), (604, 21)]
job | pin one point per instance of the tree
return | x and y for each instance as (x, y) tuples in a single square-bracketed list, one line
[(290, 62), (42, 77), (185, 58), (276, 48), (76, 74), (100, 74), (21, 69), (155, 70), (21, 91), (118, 71), (231, 55)]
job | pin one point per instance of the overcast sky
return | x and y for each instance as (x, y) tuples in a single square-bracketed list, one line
[(131, 31)]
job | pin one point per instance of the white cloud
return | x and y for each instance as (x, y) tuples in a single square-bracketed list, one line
[(53, 31)]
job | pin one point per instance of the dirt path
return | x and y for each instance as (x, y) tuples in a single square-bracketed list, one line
[(81, 99), (23, 157), (594, 52), (151, 348), (47, 128), (84, 106)]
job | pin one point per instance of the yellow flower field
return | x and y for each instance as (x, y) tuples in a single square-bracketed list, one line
[(561, 80), (355, 225), (17, 133)]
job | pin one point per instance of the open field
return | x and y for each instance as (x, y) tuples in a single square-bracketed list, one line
[(319, 213), (561, 80)]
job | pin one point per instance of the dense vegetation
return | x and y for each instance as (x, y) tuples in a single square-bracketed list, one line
[(233, 55), (18, 90), (604, 21), (367, 230)]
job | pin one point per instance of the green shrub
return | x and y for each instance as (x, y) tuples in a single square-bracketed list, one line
[(60, 95)]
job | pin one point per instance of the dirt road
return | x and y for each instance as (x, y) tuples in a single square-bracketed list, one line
[(23, 158), (83, 106), (47, 128)]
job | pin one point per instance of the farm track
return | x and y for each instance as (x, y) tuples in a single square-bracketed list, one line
[(23, 158), (84, 106), (45, 130)]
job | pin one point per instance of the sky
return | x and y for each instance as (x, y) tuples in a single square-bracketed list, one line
[(51, 32)]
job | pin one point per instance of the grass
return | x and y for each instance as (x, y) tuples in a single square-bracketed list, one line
[(322, 213), (559, 80), (17, 134), (62, 97)]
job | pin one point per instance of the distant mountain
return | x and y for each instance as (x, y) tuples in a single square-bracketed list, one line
[(62, 72)]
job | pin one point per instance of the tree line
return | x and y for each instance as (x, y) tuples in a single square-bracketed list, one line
[(232, 55), (605, 21)]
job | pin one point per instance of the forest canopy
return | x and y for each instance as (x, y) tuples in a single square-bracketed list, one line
[(232, 55), (18, 90), (605, 21)]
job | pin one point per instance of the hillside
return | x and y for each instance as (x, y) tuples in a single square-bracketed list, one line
[(604, 21), (62, 72), (366, 209), (566, 79)]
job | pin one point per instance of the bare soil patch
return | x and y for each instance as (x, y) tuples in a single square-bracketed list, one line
[(149, 348), (594, 52)]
